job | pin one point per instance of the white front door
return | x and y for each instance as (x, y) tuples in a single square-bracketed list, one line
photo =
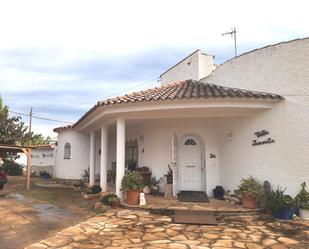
[(190, 164)]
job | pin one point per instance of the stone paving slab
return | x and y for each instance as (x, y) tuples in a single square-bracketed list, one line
[(140, 229)]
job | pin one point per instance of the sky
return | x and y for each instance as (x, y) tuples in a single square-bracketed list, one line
[(60, 57)]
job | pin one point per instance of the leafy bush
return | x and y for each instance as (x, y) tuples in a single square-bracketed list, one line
[(250, 186), (105, 198), (155, 182), (278, 201), (169, 172), (12, 168), (95, 189), (303, 197), (132, 181), (219, 189), (304, 206), (79, 184), (113, 199)]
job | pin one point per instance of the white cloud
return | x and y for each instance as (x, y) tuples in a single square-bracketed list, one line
[(111, 27), (62, 54)]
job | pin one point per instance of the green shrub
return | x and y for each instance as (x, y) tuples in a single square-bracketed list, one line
[(105, 198), (250, 186), (12, 168), (113, 200), (132, 181), (79, 184), (278, 201), (95, 189), (303, 197)]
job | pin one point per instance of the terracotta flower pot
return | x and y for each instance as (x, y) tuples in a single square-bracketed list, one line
[(249, 201), (115, 205), (132, 197)]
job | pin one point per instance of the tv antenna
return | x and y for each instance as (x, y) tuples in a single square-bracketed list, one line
[(233, 34)]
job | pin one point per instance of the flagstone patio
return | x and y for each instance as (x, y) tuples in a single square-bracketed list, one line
[(139, 229)]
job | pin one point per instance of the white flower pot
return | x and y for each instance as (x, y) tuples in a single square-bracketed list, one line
[(304, 214)]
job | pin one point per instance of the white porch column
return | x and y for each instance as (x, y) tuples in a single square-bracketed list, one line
[(92, 159), (104, 154), (175, 166), (120, 154)]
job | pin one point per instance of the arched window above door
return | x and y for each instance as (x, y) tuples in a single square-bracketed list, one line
[(67, 151), (190, 141)]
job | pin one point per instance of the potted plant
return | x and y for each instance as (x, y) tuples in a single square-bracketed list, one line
[(154, 184), (251, 191), (106, 197), (45, 175), (132, 184), (114, 202), (303, 202), (218, 192), (95, 189), (281, 205), (169, 175)]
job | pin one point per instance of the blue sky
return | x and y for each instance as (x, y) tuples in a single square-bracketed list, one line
[(60, 57)]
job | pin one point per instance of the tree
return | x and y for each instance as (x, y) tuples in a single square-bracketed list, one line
[(37, 139), (14, 132)]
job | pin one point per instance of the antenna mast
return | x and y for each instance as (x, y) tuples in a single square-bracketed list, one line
[(233, 34)]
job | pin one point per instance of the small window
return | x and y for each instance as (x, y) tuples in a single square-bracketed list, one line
[(67, 151), (190, 141)]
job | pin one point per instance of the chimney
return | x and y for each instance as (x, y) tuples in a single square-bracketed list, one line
[(195, 66)]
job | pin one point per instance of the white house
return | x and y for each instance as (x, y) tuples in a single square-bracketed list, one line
[(43, 159), (212, 130)]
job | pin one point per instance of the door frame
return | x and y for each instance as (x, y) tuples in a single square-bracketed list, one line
[(202, 152)]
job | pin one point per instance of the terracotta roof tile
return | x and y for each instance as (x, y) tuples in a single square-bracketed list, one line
[(188, 89)]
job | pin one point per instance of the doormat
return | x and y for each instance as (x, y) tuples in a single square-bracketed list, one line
[(194, 217), (192, 196)]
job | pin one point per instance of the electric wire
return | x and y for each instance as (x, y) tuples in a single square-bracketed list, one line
[(67, 122), (39, 117)]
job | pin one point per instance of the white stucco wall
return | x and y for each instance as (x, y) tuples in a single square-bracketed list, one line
[(43, 157), (155, 144), (282, 69), (195, 66), (72, 168)]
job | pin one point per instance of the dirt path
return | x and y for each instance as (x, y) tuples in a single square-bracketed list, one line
[(25, 219)]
